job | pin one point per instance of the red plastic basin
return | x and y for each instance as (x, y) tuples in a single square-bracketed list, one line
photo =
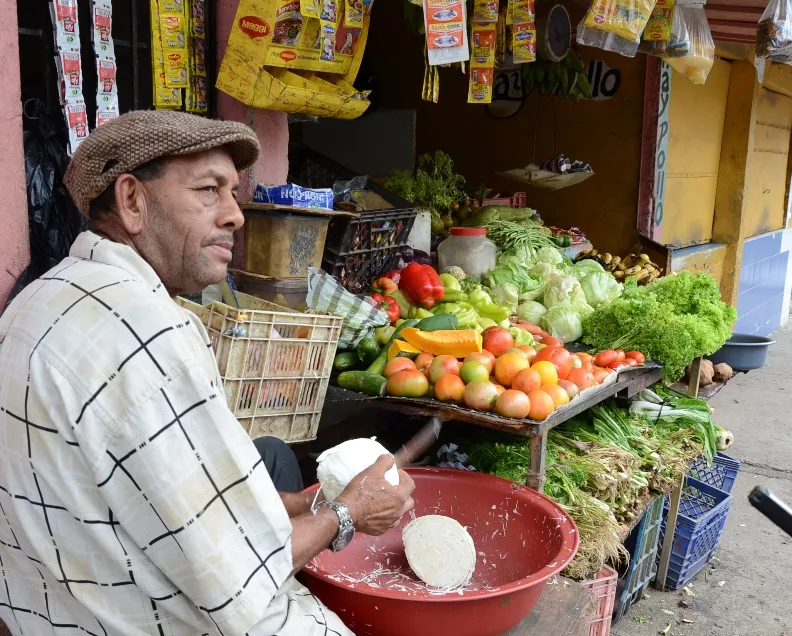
[(522, 539)]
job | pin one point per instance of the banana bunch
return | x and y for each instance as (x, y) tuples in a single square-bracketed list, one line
[(638, 265), (566, 79)]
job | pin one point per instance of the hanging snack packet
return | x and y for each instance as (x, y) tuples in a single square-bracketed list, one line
[(103, 29), (482, 63), (698, 61), (310, 8), (774, 35), (657, 34), (353, 13), (485, 11), (77, 122), (480, 86), (69, 65), (524, 12), (624, 18), (524, 43), (198, 18), (288, 23), (106, 91), (605, 40), (66, 23), (328, 27), (510, 11), (445, 24), (105, 115)]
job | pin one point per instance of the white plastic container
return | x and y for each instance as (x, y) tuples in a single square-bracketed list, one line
[(468, 248)]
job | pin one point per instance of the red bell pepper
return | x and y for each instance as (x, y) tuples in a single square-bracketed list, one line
[(421, 285), (383, 285), (394, 275), (388, 305)]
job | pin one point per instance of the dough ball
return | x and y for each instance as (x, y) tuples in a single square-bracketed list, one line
[(339, 465), (440, 551)]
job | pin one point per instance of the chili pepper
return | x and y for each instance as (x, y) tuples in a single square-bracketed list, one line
[(484, 305), (388, 305), (394, 275), (383, 285), (421, 285)]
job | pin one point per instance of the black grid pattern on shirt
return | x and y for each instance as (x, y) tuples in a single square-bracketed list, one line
[(64, 579)]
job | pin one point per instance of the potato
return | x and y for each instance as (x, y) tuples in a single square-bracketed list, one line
[(722, 372), (707, 371)]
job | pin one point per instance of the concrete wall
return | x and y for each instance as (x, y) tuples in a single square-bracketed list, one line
[(14, 241)]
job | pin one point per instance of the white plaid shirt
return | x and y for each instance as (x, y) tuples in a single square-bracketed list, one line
[(131, 501)]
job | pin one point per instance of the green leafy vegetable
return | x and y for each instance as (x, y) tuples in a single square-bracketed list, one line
[(563, 322), (600, 288), (435, 185), (531, 311)]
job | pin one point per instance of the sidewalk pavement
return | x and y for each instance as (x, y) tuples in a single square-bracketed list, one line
[(748, 590)]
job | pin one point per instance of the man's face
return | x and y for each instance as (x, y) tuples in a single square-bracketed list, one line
[(191, 216)]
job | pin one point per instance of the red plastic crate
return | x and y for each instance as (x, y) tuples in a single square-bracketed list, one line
[(512, 199), (604, 587)]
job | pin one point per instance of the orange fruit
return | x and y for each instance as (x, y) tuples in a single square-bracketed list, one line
[(449, 388), (547, 372), (557, 393), (509, 365), (542, 405), (526, 381)]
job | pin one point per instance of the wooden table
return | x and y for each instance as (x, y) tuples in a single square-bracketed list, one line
[(628, 383), (566, 608)]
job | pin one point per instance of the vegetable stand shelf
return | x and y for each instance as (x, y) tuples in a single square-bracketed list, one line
[(628, 383)]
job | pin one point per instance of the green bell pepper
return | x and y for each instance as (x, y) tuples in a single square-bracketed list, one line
[(382, 335), (419, 313), (485, 307), (450, 283), (486, 322)]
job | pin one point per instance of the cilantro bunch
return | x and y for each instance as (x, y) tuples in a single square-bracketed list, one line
[(435, 185), (671, 321)]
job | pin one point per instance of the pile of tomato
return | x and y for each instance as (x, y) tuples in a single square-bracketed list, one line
[(513, 381)]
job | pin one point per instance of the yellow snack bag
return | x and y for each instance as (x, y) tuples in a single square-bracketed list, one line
[(658, 28), (480, 85), (173, 30), (524, 42), (483, 40), (353, 13), (172, 6), (510, 11), (309, 8), (485, 11), (625, 18), (524, 12)]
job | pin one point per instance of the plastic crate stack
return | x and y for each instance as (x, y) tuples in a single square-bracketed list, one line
[(643, 562), (356, 250), (705, 505), (604, 587)]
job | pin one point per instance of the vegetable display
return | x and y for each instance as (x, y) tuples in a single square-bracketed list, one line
[(672, 321)]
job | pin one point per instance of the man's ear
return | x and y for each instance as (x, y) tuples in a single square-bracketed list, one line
[(131, 205)]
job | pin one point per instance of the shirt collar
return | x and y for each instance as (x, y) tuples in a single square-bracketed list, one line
[(92, 247)]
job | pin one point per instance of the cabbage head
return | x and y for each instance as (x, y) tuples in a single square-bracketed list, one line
[(563, 322), (600, 288), (587, 266), (531, 311), (549, 255)]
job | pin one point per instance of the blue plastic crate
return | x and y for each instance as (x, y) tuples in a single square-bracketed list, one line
[(702, 517), (643, 561), (721, 474)]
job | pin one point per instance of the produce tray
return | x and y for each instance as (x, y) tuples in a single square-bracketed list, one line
[(721, 474), (626, 384), (702, 517), (643, 561)]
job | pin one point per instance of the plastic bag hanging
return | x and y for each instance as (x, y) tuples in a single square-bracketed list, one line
[(697, 62), (605, 40), (774, 34), (624, 18)]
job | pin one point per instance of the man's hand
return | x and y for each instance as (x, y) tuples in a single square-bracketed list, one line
[(375, 505)]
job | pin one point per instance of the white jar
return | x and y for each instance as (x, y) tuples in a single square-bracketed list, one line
[(468, 248)]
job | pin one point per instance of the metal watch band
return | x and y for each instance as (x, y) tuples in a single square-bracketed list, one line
[(346, 529)]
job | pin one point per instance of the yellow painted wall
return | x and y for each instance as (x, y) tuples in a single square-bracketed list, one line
[(696, 118), (709, 260), (767, 185)]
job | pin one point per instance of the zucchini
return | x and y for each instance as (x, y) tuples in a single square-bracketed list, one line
[(347, 361), (363, 382), (378, 366), (368, 350), (440, 322)]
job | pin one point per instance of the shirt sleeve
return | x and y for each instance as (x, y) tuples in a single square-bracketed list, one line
[(187, 485)]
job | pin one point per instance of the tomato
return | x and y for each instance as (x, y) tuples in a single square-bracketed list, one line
[(620, 355), (631, 362), (485, 358), (474, 372), (570, 387), (529, 350), (582, 378), (549, 341), (398, 364), (497, 340), (586, 358), (500, 389), (449, 388), (547, 372), (577, 363), (480, 395), (408, 383), (557, 393), (605, 358), (442, 365), (513, 404), (560, 357), (542, 405), (636, 355), (600, 374), (527, 380), (617, 365), (509, 365), (423, 362)]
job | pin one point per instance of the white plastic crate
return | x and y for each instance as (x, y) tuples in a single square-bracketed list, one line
[(275, 364)]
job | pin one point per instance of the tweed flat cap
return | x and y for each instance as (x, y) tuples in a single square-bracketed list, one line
[(134, 139)]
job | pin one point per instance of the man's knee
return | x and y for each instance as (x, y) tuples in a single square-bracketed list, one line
[(281, 463)]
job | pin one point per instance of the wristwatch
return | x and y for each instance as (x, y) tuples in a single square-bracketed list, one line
[(346, 529)]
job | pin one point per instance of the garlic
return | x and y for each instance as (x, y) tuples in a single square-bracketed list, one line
[(339, 465)]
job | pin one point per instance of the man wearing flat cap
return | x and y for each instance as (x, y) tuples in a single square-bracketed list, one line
[(131, 500)]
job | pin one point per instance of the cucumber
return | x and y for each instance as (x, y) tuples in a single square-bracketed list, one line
[(363, 382), (368, 350), (348, 361), (378, 366), (440, 322)]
